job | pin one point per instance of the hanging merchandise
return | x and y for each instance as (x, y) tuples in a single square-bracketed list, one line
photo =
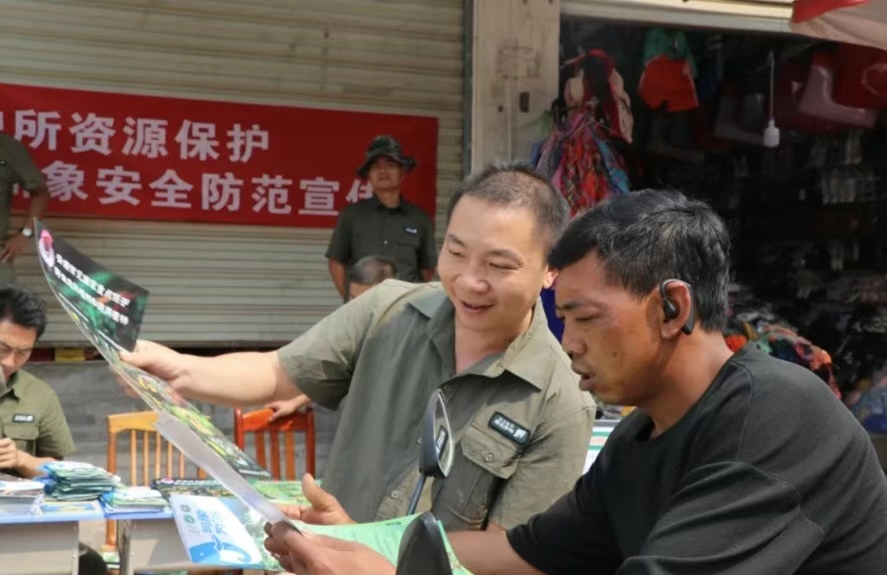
[(818, 101), (740, 117), (598, 88), (670, 43), (791, 78), (669, 72), (711, 68), (748, 116), (580, 156), (582, 163), (623, 121), (861, 79)]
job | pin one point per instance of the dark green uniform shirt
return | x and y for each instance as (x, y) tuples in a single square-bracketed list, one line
[(387, 351), (31, 414), (402, 234), (16, 167)]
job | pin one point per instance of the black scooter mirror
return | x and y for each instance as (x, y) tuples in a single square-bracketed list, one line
[(422, 549), (436, 445)]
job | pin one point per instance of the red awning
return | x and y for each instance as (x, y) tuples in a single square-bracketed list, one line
[(853, 21)]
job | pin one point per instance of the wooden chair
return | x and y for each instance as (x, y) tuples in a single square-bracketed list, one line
[(256, 422), (145, 464)]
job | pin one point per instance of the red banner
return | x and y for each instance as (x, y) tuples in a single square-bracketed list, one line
[(157, 158)]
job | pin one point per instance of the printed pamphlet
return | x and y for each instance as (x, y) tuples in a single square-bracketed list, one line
[(109, 309)]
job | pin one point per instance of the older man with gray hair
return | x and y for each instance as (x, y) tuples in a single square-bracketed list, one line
[(368, 272)]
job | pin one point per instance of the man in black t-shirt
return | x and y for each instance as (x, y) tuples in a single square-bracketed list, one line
[(738, 463)]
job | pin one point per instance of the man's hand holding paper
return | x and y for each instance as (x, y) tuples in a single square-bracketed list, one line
[(325, 509), (307, 554)]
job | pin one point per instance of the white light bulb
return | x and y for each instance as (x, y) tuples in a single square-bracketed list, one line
[(771, 135)]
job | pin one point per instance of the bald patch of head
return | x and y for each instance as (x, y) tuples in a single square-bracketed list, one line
[(372, 270)]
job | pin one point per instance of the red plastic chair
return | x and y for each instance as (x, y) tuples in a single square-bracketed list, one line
[(256, 422)]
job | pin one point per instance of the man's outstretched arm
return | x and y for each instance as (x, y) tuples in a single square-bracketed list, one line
[(236, 379)]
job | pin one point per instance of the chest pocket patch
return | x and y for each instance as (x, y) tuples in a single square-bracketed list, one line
[(485, 459), (510, 429), (409, 239), (491, 452)]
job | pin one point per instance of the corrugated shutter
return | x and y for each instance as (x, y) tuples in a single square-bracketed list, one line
[(227, 284), (748, 15)]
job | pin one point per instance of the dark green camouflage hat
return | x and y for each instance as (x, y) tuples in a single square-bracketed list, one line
[(384, 146)]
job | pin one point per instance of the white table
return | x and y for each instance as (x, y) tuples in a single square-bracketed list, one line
[(153, 544), (41, 544)]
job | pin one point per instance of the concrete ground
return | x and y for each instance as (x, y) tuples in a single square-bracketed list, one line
[(89, 393)]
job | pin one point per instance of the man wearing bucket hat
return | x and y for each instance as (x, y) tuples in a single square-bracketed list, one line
[(385, 225)]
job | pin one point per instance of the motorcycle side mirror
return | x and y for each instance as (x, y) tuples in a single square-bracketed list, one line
[(422, 549), (436, 445)]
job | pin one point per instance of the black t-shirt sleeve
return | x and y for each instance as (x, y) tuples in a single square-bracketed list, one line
[(728, 517), (573, 536)]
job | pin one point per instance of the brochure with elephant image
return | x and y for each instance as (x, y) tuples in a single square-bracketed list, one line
[(109, 309)]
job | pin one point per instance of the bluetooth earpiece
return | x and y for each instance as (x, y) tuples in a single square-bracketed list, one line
[(671, 310)]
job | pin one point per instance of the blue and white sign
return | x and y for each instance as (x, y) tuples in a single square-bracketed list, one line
[(212, 534)]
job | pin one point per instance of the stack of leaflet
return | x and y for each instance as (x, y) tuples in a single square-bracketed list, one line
[(287, 492), (19, 496), (74, 481), (134, 500)]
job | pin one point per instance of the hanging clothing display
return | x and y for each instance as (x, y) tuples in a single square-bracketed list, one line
[(669, 43), (582, 163), (580, 156), (669, 72)]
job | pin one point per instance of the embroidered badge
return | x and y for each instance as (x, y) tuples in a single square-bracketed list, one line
[(23, 418), (413, 231), (513, 431)]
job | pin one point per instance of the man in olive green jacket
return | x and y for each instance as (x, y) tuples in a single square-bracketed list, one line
[(520, 422)]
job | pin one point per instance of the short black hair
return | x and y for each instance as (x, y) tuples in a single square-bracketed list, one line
[(646, 237), (372, 270), (516, 184), (23, 307)]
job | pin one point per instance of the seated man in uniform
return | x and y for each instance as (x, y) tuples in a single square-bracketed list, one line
[(34, 430), (731, 463), (521, 423)]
